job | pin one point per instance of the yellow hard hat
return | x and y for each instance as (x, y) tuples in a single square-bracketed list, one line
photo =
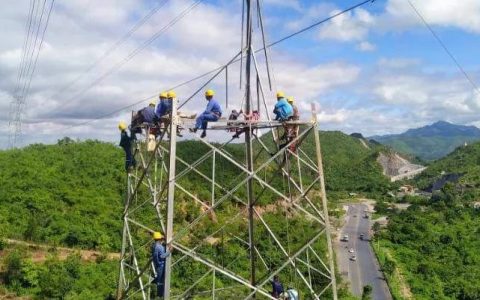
[(152, 103), (209, 93), (280, 94), (290, 99), (163, 95), (157, 235), (122, 125), (171, 94)]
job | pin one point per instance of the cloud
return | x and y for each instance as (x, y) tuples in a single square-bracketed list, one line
[(350, 26), (366, 46), (448, 13)]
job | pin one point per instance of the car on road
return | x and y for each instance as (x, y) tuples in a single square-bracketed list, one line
[(353, 258), (345, 238), (351, 250), (354, 216), (365, 216), (362, 236)]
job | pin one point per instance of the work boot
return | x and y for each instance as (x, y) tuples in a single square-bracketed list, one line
[(193, 130), (204, 134)]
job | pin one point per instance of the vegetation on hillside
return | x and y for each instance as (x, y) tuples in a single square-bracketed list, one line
[(434, 243), (71, 193)]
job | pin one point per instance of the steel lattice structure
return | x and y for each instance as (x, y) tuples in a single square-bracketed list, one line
[(235, 214)]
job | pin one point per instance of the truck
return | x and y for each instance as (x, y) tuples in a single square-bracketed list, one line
[(345, 238)]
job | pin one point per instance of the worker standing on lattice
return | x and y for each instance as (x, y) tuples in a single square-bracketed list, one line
[(126, 144), (291, 130), (277, 287), (160, 252), (212, 113), (164, 109), (282, 109)]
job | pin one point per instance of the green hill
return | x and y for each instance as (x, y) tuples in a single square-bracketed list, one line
[(435, 246), (71, 194), (431, 142), (464, 161)]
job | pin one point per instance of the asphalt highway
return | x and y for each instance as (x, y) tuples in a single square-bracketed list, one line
[(365, 270)]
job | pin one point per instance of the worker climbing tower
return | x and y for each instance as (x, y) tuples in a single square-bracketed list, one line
[(236, 214)]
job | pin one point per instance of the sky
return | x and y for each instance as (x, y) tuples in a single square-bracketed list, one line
[(374, 70)]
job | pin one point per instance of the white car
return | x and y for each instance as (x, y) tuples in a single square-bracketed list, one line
[(353, 258), (351, 250)]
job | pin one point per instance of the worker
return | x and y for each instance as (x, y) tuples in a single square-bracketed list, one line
[(211, 114), (159, 253), (277, 287), (145, 115), (291, 294), (126, 144), (295, 114), (282, 109), (164, 109)]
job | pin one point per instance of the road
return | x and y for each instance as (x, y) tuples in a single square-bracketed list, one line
[(365, 270)]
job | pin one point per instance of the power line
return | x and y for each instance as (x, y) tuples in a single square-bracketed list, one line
[(113, 47), (136, 51), (445, 48), (223, 66)]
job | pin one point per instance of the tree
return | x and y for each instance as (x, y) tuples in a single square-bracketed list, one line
[(367, 292)]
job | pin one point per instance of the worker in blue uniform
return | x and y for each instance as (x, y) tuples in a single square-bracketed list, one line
[(211, 114), (159, 253), (126, 144), (164, 107), (277, 287), (283, 110)]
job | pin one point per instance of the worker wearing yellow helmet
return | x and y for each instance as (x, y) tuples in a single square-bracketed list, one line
[(160, 252), (211, 114), (283, 110), (295, 115), (126, 144), (164, 107)]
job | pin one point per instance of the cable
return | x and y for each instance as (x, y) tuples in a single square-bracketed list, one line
[(38, 52), (113, 47), (223, 66), (24, 49), (136, 51), (442, 44)]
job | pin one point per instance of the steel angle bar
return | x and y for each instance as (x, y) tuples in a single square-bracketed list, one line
[(222, 199), (207, 178), (292, 261), (210, 80), (311, 166), (285, 264), (230, 221), (135, 262), (313, 268), (227, 273), (308, 157), (320, 260), (325, 289), (256, 249)]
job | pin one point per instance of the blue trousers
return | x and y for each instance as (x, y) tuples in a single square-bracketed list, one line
[(204, 118), (160, 280)]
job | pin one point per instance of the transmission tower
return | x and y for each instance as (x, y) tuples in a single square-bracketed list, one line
[(236, 214)]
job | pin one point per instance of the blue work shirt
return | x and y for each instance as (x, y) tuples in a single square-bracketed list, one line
[(283, 110), (277, 288), (159, 253), (213, 107), (148, 114), (163, 108)]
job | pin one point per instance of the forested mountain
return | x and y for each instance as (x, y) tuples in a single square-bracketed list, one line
[(71, 194), (432, 141), (435, 242)]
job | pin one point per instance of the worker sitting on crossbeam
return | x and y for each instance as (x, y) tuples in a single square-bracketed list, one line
[(164, 109), (212, 113)]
